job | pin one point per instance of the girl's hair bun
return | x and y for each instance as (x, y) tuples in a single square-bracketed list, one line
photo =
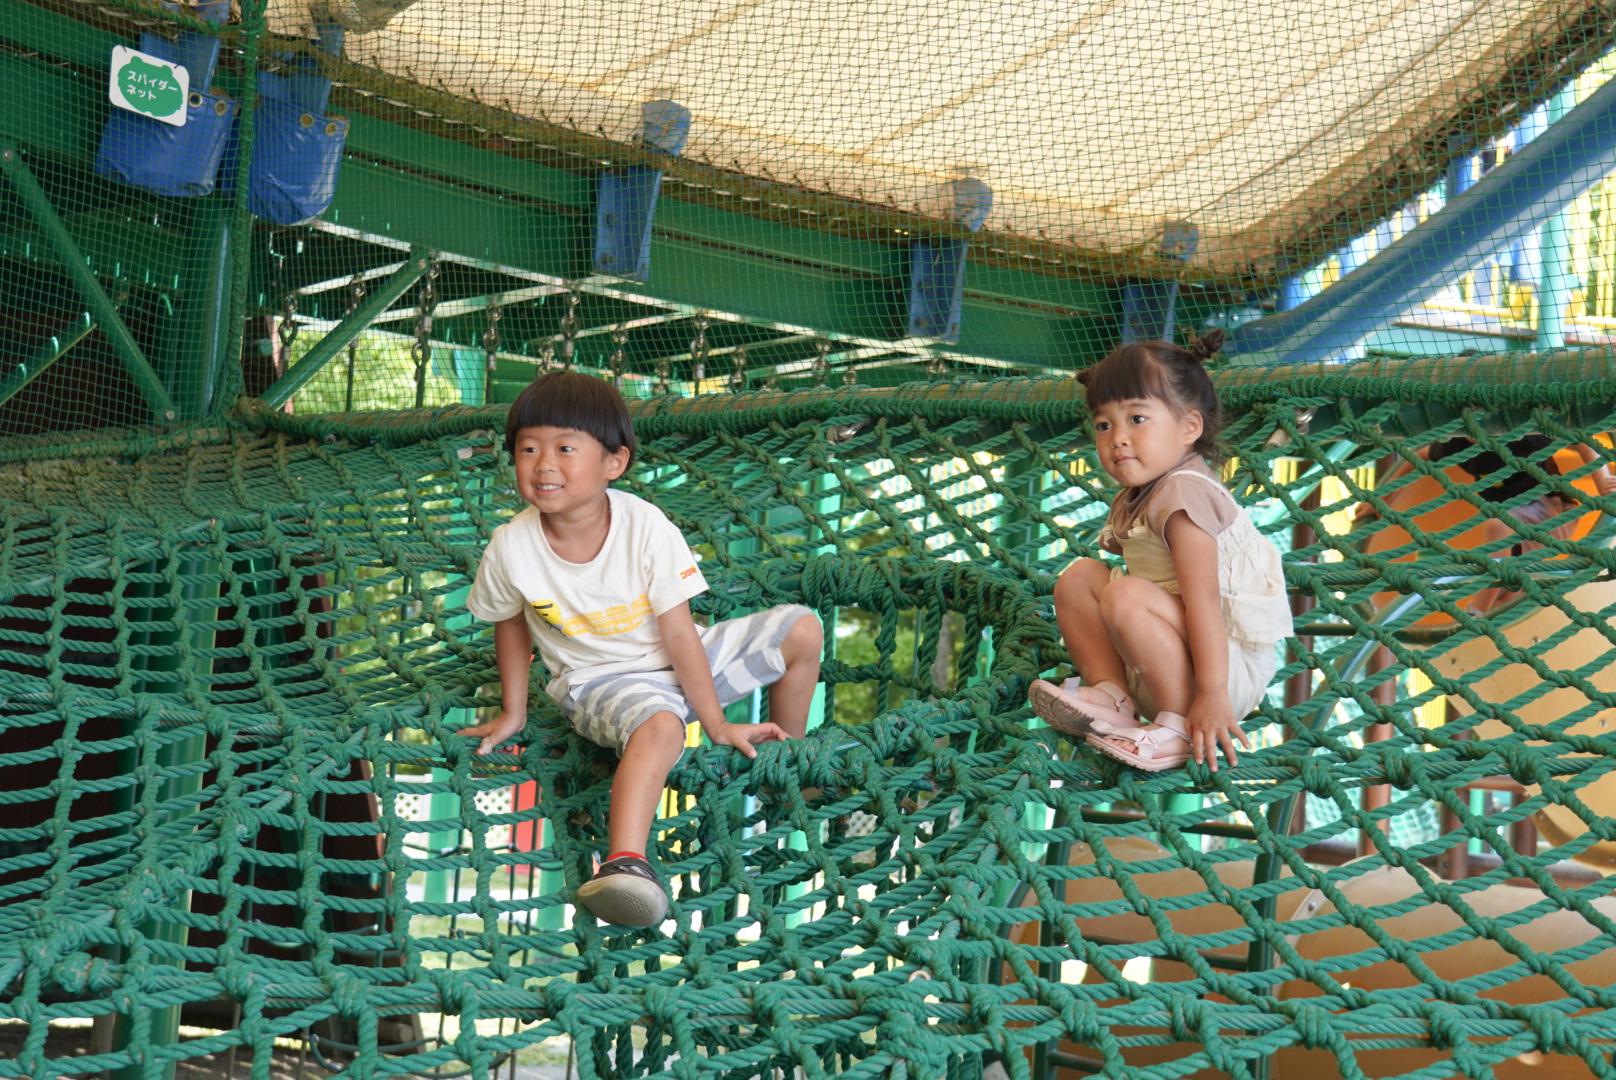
[(1206, 346)]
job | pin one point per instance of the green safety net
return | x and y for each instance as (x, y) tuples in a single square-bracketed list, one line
[(233, 656)]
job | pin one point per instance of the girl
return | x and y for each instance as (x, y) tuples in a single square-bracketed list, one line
[(1185, 630)]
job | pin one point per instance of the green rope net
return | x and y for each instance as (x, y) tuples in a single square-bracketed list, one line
[(232, 660)]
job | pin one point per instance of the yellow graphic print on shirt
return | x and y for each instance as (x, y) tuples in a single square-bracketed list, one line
[(550, 613), (617, 619)]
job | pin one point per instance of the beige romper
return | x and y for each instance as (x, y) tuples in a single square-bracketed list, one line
[(1251, 577)]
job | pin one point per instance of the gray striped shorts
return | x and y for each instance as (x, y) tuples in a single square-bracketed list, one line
[(744, 654)]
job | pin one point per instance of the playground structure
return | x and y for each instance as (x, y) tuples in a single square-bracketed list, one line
[(233, 647)]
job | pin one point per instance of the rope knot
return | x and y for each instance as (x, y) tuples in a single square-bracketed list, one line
[(1445, 1029), (80, 972), (237, 980), (663, 1005), (1314, 1027), (1555, 1032), (1401, 768), (1185, 1017), (349, 995), (1316, 778)]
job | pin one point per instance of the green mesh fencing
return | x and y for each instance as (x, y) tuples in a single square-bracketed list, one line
[(777, 194), (233, 657)]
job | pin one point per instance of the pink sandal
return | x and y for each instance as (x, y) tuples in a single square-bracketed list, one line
[(1075, 711), (1156, 747)]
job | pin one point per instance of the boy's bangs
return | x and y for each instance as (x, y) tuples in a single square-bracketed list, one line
[(570, 399), (1129, 373)]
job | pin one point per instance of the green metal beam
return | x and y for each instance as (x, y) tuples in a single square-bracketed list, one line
[(72, 124), (53, 350), (348, 329), (101, 305), (378, 200)]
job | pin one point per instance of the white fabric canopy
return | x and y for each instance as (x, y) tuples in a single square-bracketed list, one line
[(1095, 123)]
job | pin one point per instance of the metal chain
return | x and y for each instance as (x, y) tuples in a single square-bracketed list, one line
[(737, 378), (663, 370), (619, 358), (356, 293), (426, 301), (821, 362), (698, 352), (491, 335), (490, 347), (287, 330), (850, 377), (569, 327)]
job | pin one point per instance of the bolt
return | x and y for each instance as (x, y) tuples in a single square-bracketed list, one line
[(168, 414)]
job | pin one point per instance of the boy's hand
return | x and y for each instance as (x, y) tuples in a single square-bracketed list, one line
[(1604, 482), (743, 736), (1211, 722), (497, 731)]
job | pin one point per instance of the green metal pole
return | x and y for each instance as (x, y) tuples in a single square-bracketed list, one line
[(58, 346), (164, 1023), (443, 805), (349, 328), (204, 345), (1554, 259), (78, 268)]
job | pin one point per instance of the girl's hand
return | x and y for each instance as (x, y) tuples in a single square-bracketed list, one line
[(497, 731), (743, 736), (1211, 722), (1604, 482)]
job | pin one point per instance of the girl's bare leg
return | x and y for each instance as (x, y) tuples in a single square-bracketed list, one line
[(1147, 625), (1083, 631)]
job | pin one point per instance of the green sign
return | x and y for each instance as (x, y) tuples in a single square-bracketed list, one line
[(149, 86)]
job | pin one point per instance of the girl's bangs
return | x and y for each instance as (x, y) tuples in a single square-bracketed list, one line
[(1129, 373)]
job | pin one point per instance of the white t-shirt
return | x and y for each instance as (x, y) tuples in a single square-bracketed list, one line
[(596, 618)]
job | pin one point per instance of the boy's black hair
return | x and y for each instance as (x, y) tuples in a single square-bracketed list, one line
[(1167, 372), (571, 399)]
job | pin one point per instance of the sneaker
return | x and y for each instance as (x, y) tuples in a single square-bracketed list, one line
[(1073, 707), (625, 891)]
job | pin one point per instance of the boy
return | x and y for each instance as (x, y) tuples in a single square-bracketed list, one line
[(601, 580)]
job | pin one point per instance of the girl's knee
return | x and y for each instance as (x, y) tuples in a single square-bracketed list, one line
[(1123, 598), (1084, 579)]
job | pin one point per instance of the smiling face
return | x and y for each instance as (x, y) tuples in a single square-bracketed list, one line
[(1140, 439), (562, 471)]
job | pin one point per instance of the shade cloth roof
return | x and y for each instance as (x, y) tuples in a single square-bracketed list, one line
[(1095, 123)]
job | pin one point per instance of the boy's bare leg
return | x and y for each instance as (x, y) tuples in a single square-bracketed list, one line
[(1077, 613), (792, 694), (652, 751)]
